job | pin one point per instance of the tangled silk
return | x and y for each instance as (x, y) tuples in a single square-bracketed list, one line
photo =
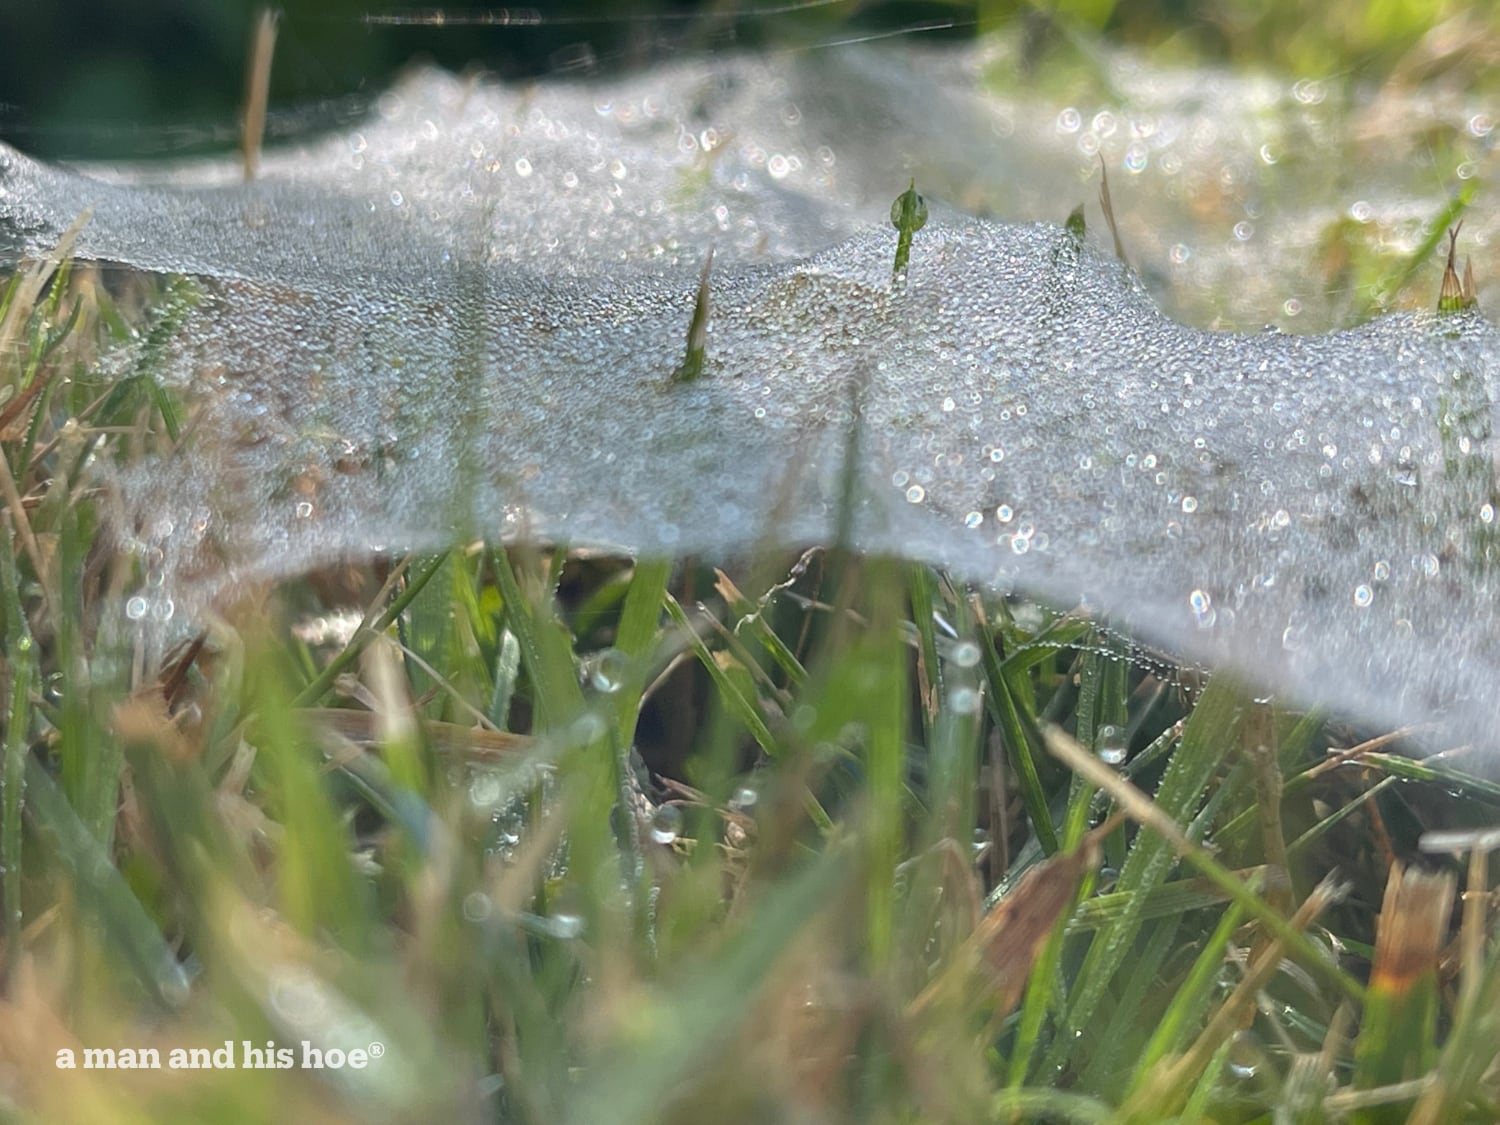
[(464, 320)]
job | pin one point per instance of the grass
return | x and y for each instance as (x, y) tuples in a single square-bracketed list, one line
[(549, 838)]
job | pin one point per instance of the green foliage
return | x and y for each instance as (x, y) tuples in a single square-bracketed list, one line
[(908, 215)]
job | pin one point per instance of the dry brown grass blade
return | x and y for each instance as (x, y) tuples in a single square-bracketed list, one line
[(1413, 928), (362, 728), (1455, 293), (995, 961), (257, 90)]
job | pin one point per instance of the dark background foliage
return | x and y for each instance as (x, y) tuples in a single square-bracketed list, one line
[(103, 78)]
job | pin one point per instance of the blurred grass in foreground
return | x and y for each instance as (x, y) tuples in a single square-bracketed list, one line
[(519, 835)]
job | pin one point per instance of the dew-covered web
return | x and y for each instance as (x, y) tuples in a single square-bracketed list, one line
[(462, 318)]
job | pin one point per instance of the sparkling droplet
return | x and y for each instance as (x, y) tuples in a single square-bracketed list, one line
[(666, 824), (965, 701), (1109, 745), (607, 670), (744, 798), (965, 654), (1203, 608)]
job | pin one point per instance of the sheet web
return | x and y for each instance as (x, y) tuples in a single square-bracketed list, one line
[(462, 319)]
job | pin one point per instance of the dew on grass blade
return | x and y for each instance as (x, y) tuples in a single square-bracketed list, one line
[(666, 824), (744, 798), (1110, 745), (607, 670)]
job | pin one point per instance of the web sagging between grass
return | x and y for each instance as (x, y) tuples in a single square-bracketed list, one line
[(465, 320)]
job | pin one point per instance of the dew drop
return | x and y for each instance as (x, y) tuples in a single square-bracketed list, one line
[(477, 906), (1110, 746), (485, 789), (965, 654), (744, 798), (1244, 1056), (1202, 606), (607, 670), (964, 701), (666, 824)]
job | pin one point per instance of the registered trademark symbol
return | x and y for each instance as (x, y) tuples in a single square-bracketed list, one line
[(377, 1049)]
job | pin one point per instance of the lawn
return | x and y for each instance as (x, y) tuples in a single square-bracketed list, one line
[(447, 808)]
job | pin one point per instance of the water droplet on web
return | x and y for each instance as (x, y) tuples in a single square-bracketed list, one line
[(965, 701), (1202, 606), (135, 608), (1363, 595), (965, 654)]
